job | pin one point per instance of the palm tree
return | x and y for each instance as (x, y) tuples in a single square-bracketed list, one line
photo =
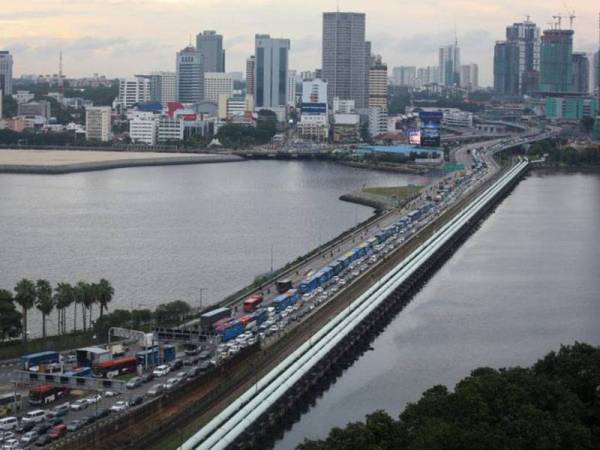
[(81, 295), (10, 318), (44, 302), (63, 297), (105, 294), (25, 296), (91, 297)]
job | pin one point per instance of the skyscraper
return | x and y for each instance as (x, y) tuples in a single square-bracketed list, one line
[(556, 61), (469, 76), (217, 84), (506, 69), (596, 71), (190, 76), (344, 56), (271, 71), (6, 72), (526, 36), (250, 75), (378, 84), (210, 46), (404, 76), (163, 87), (133, 91), (449, 64), (581, 73)]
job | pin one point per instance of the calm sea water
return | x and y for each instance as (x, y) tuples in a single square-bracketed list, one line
[(526, 282), (196, 232)]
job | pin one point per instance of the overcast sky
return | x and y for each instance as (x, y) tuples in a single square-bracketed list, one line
[(124, 37)]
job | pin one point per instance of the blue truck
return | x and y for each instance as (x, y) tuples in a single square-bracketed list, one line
[(233, 330), (35, 359), (169, 353), (260, 315), (151, 357)]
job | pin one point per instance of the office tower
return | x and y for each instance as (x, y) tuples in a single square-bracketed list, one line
[(133, 91), (217, 84), (378, 84), (307, 75), (163, 87), (271, 71), (526, 36), (97, 123), (404, 76), (556, 61), (210, 45), (581, 73), (506, 69), (6, 72), (344, 56), (291, 88), (469, 76), (190, 76), (449, 63), (250, 74), (596, 73)]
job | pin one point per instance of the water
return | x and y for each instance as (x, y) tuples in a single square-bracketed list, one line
[(526, 282), (174, 232)]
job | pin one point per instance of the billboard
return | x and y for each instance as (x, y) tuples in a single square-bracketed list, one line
[(314, 108), (414, 136), (431, 124)]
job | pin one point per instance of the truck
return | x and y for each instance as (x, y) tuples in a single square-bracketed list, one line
[(151, 357), (79, 372), (253, 302), (210, 317), (35, 359), (283, 285), (234, 329)]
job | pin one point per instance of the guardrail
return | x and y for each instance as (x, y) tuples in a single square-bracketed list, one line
[(59, 379), (223, 429)]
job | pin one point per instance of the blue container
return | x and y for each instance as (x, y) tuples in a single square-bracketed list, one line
[(261, 316), (232, 331), (169, 353), (35, 359), (151, 357)]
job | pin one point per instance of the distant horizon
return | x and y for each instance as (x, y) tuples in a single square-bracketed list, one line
[(140, 36)]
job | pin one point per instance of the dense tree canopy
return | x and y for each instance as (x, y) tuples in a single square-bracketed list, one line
[(553, 405)]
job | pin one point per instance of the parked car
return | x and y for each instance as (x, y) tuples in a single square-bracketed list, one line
[(34, 416), (119, 406), (8, 423), (134, 383), (41, 428), (24, 427), (191, 351), (205, 366), (104, 412), (29, 437), (156, 390), (58, 431), (93, 399), (86, 420), (204, 355), (111, 394), (11, 444), (80, 404), (74, 425), (171, 382), (161, 371)]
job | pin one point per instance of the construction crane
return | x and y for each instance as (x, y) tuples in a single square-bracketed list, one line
[(571, 14), (558, 19)]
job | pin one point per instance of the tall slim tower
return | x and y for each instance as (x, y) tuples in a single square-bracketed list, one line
[(190, 76), (526, 36), (556, 61), (449, 63), (271, 71), (6, 72), (250, 75), (210, 46), (344, 56)]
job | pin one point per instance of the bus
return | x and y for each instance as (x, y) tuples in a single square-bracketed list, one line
[(46, 393), (10, 403), (253, 302), (115, 367)]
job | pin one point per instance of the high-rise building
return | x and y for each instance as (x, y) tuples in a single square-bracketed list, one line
[(291, 89), (506, 69), (210, 45), (6, 72), (581, 73), (427, 75), (526, 36), (190, 76), (217, 84), (469, 76), (556, 61), (133, 91), (344, 56), (97, 123), (449, 63), (163, 87), (271, 71), (250, 75), (596, 73), (378, 84), (404, 76)]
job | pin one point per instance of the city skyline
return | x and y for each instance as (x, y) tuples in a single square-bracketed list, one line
[(122, 43)]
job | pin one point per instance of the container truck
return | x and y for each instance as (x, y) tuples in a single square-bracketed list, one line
[(169, 353), (150, 357), (35, 359), (233, 330), (283, 285), (209, 318)]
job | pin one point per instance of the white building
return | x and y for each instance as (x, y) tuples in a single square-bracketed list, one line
[(343, 106), (217, 84), (97, 123), (133, 91), (170, 129), (143, 130), (378, 120), (469, 76), (314, 127)]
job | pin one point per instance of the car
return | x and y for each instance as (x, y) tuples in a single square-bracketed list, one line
[(7, 435), (274, 329), (41, 428), (74, 425), (147, 377), (11, 444), (35, 416), (58, 431), (79, 405), (43, 440), (111, 393), (205, 366), (119, 406), (8, 423), (171, 382), (86, 420), (93, 399), (177, 364), (161, 370), (29, 437), (54, 421), (191, 351), (133, 383), (62, 409), (24, 427), (155, 390), (137, 401)]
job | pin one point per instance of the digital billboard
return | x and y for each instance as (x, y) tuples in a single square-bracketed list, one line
[(414, 136), (431, 124), (314, 108)]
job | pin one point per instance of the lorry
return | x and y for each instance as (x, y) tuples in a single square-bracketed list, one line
[(209, 318), (41, 358), (283, 285)]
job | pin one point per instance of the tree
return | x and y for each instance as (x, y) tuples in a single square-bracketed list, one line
[(10, 318), (587, 124), (63, 297), (44, 301), (82, 293), (9, 106), (25, 295), (105, 294)]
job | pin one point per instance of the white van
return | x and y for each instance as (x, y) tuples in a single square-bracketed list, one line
[(34, 416), (8, 423)]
